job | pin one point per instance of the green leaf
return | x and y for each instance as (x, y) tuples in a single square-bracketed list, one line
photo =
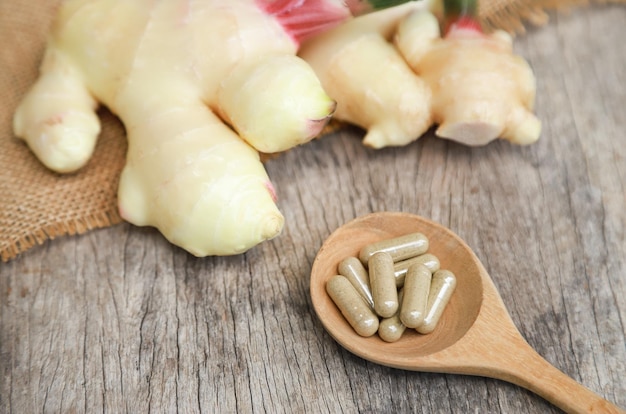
[(460, 7), (383, 4)]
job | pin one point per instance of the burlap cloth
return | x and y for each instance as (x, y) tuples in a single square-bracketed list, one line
[(37, 204)]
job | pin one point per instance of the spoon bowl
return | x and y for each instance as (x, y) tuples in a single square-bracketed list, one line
[(475, 335)]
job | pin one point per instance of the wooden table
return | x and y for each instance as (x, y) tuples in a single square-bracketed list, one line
[(118, 320)]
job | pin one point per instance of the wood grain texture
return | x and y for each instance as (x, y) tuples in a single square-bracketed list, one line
[(118, 320)]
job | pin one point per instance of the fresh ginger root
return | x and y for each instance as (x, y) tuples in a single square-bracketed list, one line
[(203, 87), (373, 85), (176, 73), (468, 82), (481, 90)]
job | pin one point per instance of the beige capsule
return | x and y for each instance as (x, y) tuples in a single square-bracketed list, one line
[(355, 272), (399, 248), (429, 260), (441, 289), (416, 290), (391, 329), (352, 306), (383, 284)]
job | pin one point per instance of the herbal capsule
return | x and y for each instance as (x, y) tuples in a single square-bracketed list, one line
[(352, 306), (416, 289), (399, 248), (383, 283), (353, 270), (391, 329), (441, 289), (429, 260)]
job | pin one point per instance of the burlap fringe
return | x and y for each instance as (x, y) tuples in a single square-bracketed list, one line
[(12, 248), (514, 16)]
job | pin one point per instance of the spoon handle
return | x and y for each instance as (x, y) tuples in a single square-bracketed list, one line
[(530, 370)]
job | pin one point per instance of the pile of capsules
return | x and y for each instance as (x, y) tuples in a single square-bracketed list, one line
[(394, 284)]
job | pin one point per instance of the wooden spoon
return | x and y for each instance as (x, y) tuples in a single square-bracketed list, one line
[(475, 336)]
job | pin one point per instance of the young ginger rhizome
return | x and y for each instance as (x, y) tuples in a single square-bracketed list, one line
[(393, 74), (373, 85), (481, 90), (175, 72)]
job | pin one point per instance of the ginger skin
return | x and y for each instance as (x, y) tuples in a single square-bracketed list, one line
[(175, 72)]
